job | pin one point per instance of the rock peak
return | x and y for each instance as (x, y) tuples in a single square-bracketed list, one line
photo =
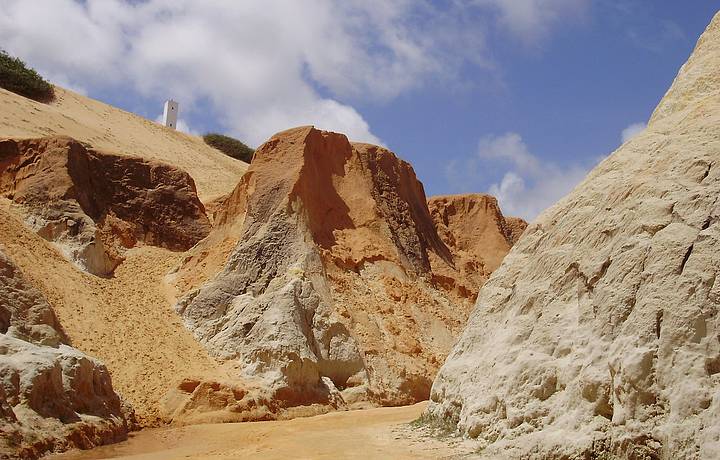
[(339, 288)]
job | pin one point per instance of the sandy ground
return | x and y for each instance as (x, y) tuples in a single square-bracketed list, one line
[(114, 130), (126, 321), (382, 433)]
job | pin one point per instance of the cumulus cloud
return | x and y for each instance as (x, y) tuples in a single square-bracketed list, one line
[(261, 66), (523, 183), (632, 131), (509, 147), (247, 59)]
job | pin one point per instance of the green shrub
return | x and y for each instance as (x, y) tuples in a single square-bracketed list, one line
[(229, 146), (15, 76)]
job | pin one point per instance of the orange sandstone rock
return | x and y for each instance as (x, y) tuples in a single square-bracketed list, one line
[(328, 280), (97, 205)]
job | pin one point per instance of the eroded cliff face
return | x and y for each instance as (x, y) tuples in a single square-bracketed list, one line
[(94, 205), (478, 236), (325, 279), (599, 333), (52, 396)]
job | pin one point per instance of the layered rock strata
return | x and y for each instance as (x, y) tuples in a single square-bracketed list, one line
[(325, 279), (96, 205)]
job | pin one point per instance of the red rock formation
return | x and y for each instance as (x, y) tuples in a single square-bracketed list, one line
[(478, 236), (96, 205), (325, 275)]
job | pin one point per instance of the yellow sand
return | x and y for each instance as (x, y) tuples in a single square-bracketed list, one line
[(361, 434), (114, 130), (125, 321)]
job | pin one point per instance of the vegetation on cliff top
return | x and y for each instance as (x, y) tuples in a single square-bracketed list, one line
[(229, 146), (17, 77)]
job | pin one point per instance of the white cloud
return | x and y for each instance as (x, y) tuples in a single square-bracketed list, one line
[(262, 66), (527, 186), (632, 131), (509, 147), (531, 20), (248, 59)]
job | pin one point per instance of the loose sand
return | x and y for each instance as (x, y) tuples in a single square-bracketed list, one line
[(361, 434), (117, 131), (126, 321)]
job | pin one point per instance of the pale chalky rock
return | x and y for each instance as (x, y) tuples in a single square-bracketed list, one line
[(599, 335)]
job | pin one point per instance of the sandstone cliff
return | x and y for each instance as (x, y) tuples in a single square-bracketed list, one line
[(110, 129), (344, 288), (52, 396), (325, 280), (598, 336), (476, 233), (64, 205), (96, 205)]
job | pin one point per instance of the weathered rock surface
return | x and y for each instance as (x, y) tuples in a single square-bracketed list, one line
[(96, 205), (110, 129), (599, 335), (477, 234), (325, 279), (52, 396)]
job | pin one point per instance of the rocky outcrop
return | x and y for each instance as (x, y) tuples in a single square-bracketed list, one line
[(325, 280), (52, 396), (478, 236), (514, 228), (96, 205), (598, 336)]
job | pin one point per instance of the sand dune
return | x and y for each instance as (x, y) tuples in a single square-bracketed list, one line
[(117, 131), (125, 321)]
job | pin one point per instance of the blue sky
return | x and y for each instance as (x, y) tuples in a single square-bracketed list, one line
[(519, 98)]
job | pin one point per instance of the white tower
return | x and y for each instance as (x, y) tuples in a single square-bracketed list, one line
[(170, 114)]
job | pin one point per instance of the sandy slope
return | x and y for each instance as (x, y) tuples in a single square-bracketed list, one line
[(362, 434), (117, 131), (125, 321)]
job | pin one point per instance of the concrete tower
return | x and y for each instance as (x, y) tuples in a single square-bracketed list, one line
[(170, 114)]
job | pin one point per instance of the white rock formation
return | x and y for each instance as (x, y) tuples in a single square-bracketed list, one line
[(599, 335)]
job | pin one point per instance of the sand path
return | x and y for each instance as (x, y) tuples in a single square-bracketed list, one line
[(126, 321), (381, 433)]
